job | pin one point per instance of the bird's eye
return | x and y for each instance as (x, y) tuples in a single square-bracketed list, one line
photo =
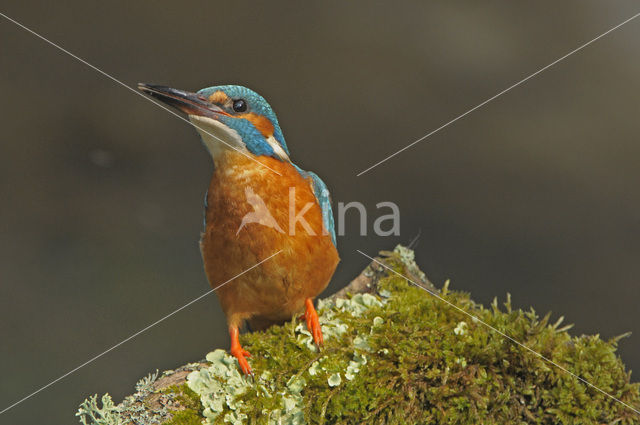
[(239, 105)]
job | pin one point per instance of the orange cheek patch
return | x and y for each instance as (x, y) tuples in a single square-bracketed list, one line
[(218, 97), (263, 124)]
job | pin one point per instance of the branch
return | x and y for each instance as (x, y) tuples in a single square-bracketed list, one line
[(393, 354)]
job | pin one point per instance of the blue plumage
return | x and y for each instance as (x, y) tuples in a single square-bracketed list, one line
[(321, 192), (252, 138), (257, 104), (324, 199), (257, 145), (239, 128)]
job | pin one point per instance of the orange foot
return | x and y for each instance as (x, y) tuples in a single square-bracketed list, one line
[(313, 324), (238, 352)]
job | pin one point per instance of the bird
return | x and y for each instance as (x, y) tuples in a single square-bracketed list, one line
[(258, 204)]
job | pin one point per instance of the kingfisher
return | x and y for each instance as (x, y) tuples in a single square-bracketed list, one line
[(268, 244)]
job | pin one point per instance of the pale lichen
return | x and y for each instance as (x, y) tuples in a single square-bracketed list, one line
[(461, 328), (400, 355), (131, 408), (92, 414), (136, 409), (221, 386)]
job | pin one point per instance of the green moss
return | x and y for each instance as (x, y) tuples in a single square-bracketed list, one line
[(184, 395), (411, 358), (402, 357), (186, 417), (189, 402)]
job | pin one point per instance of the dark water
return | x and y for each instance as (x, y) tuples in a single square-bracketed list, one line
[(101, 192)]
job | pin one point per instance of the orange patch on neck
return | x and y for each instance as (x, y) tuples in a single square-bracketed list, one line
[(218, 97), (263, 124)]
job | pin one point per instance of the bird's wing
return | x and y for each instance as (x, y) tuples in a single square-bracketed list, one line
[(324, 199)]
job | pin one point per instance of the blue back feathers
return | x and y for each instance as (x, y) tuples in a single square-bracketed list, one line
[(324, 200)]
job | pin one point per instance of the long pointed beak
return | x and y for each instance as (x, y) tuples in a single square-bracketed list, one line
[(187, 102)]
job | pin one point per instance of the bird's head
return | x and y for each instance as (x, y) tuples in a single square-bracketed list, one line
[(228, 117)]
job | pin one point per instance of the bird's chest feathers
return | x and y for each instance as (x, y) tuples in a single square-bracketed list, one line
[(246, 199)]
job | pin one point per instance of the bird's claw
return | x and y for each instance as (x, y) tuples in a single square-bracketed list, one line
[(241, 355), (313, 324)]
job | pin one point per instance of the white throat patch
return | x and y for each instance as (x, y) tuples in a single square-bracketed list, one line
[(219, 138), (277, 148), (216, 136)]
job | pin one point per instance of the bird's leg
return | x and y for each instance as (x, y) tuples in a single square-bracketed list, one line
[(238, 352), (313, 323)]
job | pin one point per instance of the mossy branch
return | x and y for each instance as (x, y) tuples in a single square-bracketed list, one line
[(393, 354)]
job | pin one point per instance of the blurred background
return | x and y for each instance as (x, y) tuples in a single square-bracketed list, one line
[(101, 192)]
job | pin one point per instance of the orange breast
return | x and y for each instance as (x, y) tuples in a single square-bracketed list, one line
[(272, 292)]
